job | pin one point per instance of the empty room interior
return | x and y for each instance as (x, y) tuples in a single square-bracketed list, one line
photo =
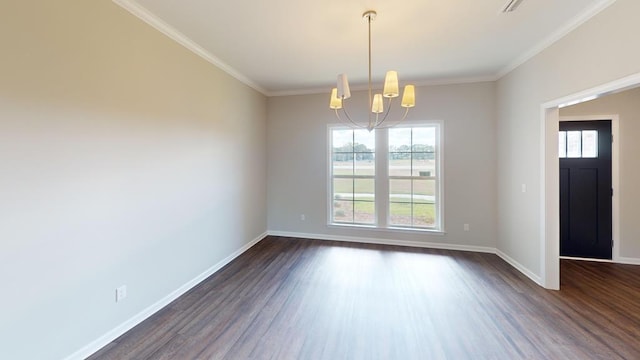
[(244, 180)]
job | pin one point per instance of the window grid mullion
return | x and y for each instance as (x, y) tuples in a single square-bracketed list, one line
[(353, 179), (410, 174)]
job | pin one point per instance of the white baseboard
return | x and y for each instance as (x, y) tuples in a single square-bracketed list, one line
[(523, 269), (102, 341), (366, 240), (586, 259), (627, 260), (618, 260)]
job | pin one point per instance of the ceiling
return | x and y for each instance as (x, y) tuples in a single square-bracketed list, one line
[(282, 47)]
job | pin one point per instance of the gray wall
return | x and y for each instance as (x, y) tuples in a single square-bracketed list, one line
[(599, 51), (124, 159), (626, 105), (298, 154)]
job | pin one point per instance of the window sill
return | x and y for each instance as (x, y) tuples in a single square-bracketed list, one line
[(388, 229)]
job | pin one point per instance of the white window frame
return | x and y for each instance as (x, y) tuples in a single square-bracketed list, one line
[(382, 178)]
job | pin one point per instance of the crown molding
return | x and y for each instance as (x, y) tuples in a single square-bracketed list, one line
[(145, 15), (454, 81), (556, 36), (327, 90)]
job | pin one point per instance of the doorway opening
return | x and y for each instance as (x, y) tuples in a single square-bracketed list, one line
[(550, 175)]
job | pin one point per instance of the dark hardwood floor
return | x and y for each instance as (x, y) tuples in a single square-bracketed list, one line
[(306, 299)]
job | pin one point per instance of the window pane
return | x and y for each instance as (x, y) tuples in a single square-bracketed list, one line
[(353, 154), (424, 139), (364, 212), (400, 164), (423, 215), (342, 211), (400, 214), (342, 140), (590, 143), (400, 140), (365, 164), (342, 189), (364, 189), (422, 165), (424, 191), (364, 141), (574, 146), (562, 144), (399, 190), (343, 164)]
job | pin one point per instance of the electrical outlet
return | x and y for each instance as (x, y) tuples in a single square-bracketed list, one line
[(303, 217), (121, 293), (466, 227)]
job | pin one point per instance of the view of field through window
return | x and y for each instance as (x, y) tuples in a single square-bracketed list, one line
[(353, 162), (412, 181), (412, 176)]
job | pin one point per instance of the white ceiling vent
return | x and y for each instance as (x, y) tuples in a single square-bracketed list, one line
[(511, 6)]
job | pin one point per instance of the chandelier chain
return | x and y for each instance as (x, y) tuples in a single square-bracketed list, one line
[(369, 19)]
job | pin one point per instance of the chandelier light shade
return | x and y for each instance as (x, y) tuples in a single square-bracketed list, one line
[(376, 102), (343, 87), (377, 107), (409, 97), (391, 84), (336, 102)]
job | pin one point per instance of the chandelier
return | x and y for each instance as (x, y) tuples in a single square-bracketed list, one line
[(376, 103)]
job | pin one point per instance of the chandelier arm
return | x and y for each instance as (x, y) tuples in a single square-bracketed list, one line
[(346, 113), (373, 125), (386, 113), (338, 115), (406, 112)]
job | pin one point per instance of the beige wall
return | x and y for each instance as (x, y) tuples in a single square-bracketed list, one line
[(625, 105), (598, 52), (297, 174), (124, 159)]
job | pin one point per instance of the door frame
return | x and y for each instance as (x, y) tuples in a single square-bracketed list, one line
[(550, 174), (615, 181)]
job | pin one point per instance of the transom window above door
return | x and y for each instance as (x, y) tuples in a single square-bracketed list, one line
[(578, 144)]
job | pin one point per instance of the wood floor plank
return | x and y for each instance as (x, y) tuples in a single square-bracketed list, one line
[(291, 298)]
